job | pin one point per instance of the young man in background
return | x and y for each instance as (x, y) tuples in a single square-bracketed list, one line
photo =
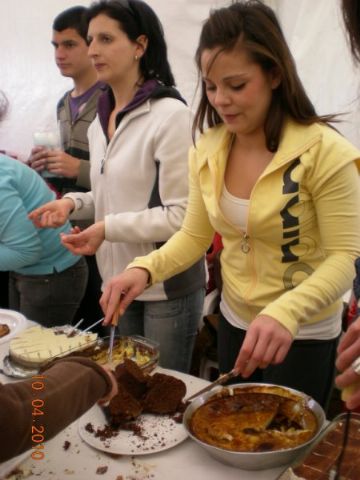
[(68, 168)]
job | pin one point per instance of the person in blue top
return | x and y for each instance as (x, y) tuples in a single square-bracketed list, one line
[(47, 282)]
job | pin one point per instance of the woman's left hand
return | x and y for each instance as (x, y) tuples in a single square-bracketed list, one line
[(266, 342), (84, 242)]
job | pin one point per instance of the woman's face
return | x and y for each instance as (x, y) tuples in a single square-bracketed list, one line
[(112, 52), (238, 89)]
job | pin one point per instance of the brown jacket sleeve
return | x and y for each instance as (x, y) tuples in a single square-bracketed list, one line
[(70, 387)]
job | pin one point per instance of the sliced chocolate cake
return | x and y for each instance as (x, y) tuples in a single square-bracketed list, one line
[(142, 393), (130, 376), (164, 394)]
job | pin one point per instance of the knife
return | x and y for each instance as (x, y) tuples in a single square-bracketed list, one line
[(222, 379), (114, 322)]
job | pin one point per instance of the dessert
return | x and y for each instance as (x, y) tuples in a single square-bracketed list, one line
[(4, 329), (124, 347), (143, 393), (164, 394), (325, 458), (144, 352), (242, 420), (123, 407), (131, 377), (36, 346)]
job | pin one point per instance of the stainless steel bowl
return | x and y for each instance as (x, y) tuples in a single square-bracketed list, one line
[(254, 460)]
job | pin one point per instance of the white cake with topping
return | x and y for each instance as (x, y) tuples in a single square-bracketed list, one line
[(36, 346)]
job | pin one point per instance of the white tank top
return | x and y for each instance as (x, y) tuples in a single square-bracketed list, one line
[(234, 209)]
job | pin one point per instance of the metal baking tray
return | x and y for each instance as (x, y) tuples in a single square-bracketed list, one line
[(330, 454)]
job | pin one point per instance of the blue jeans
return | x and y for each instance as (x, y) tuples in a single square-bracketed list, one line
[(171, 323)]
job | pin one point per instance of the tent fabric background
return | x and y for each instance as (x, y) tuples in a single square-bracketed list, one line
[(30, 78)]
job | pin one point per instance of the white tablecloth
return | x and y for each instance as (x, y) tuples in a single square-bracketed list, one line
[(80, 462)]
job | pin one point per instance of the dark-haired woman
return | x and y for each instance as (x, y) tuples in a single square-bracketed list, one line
[(138, 153), (281, 188)]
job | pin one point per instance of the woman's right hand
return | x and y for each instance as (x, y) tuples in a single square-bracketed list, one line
[(52, 214), (122, 290)]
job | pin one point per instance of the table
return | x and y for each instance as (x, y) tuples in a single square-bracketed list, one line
[(80, 462)]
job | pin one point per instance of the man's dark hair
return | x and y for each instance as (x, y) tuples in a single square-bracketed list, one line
[(74, 17)]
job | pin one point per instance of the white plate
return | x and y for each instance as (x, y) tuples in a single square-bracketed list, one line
[(16, 322), (160, 432)]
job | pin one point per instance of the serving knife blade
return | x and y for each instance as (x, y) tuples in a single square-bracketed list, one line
[(114, 322), (222, 379)]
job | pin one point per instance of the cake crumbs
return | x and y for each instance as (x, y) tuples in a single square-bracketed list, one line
[(101, 470), (66, 445)]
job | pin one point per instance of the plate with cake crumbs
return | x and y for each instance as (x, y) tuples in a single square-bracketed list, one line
[(145, 435), (11, 323), (145, 416)]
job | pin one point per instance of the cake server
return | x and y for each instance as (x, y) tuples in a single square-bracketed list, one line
[(93, 325), (222, 379)]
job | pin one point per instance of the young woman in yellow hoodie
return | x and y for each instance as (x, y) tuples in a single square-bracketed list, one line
[(281, 187)]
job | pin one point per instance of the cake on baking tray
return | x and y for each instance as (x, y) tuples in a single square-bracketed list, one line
[(36, 346), (322, 462), (142, 393)]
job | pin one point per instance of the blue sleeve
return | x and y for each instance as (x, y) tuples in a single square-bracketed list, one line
[(20, 243)]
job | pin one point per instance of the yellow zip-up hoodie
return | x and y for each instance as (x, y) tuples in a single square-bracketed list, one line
[(296, 258)]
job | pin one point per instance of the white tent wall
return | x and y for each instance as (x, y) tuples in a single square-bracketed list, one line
[(30, 78), (316, 35)]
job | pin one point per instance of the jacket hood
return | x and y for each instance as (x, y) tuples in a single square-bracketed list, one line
[(151, 89), (295, 140)]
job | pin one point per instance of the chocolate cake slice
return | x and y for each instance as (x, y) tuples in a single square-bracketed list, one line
[(123, 407), (130, 376), (164, 394), (141, 393)]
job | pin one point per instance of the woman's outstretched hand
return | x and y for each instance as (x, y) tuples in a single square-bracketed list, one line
[(84, 242), (122, 290), (266, 342), (52, 214)]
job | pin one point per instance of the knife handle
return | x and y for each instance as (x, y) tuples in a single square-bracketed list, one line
[(115, 317)]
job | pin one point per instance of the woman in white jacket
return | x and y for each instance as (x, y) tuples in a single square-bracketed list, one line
[(138, 153)]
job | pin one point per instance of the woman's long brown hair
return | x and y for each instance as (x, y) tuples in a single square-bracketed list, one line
[(253, 26)]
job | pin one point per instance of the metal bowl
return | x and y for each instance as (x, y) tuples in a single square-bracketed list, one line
[(254, 460)]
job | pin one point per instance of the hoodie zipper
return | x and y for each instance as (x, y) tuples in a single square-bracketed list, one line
[(245, 246)]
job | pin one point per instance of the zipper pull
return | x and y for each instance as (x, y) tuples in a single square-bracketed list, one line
[(245, 247), (102, 166)]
